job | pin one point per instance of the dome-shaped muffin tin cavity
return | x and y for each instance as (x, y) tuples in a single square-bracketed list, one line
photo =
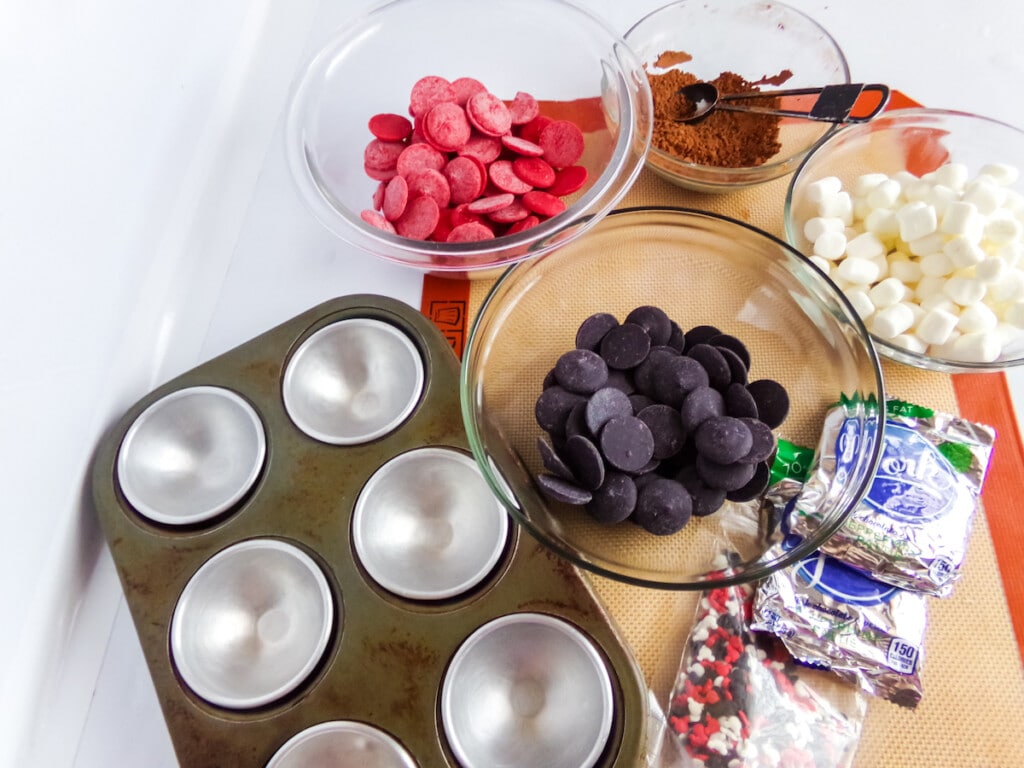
[(341, 743), (251, 624), (323, 605), (531, 685), (191, 455), (353, 381), (426, 525)]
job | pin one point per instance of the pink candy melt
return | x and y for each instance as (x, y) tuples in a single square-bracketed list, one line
[(389, 127), (377, 220), (469, 166), (446, 127), (489, 114), (562, 142), (396, 197), (419, 219), (470, 232)]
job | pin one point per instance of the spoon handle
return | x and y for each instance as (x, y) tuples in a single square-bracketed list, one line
[(833, 104)]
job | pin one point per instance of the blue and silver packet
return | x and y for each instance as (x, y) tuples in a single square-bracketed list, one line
[(912, 528), (830, 615)]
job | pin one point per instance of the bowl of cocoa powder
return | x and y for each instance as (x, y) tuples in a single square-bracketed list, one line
[(739, 46)]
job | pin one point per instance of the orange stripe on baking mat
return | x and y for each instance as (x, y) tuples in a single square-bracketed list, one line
[(446, 302), (984, 398)]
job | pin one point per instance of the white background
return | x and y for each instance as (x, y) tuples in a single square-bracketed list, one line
[(147, 224)]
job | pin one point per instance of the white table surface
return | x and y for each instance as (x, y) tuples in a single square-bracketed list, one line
[(144, 212)]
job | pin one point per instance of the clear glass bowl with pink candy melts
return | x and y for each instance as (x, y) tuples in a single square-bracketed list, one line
[(935, 199), (567, 59)]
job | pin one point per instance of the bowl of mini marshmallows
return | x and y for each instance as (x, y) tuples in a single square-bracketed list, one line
[(633, 397), (918, 217), (460, 148)]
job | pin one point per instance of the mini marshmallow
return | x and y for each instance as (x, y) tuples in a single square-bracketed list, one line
[(939, 301), (830, 245), (823, 188), (930, 285), (861, 302), (916, 219), (1010, 288), (952, 175), (837, 206), (1010, 253), (903, 178), (917, 190), (883, 222), (866, 182), (861, 208), (962, 252), (962, 218), (865, 246), (915, 308), (964, 290), (1014, 202), (818, 225), (977, 318), (936, 264), (1014, 314), (892, 321), (858, 271), (888, 292), (909, 342), (823, 264), (936, 326), (975, 348), (991, 270), (1001, 228), (882, 262), (932, 243), (1000, 173), (1010, 339), (842, 285), (885, 194), (985, 194), (940, 197), (905, 270)]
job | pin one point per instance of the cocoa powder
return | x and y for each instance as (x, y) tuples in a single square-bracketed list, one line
[(724, 139)]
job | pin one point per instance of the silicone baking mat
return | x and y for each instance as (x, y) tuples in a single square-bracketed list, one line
[(972, 714)]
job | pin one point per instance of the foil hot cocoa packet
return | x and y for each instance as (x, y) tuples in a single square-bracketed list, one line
[(913, 526), (828, 614)]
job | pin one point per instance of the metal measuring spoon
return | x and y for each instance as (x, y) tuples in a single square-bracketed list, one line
[(833, 104)]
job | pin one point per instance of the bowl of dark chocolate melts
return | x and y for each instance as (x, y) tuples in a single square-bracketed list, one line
[(626, 396)]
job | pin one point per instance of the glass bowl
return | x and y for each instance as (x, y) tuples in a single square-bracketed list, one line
[(699, 268), (572, 62), (754, 40), (959, 147)]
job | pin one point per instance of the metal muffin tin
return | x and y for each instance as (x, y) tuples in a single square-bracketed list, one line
[(384, 663)]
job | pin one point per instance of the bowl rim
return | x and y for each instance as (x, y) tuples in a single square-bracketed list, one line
[(710, 580), (625, 162), (713, 175), (912, 114)]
